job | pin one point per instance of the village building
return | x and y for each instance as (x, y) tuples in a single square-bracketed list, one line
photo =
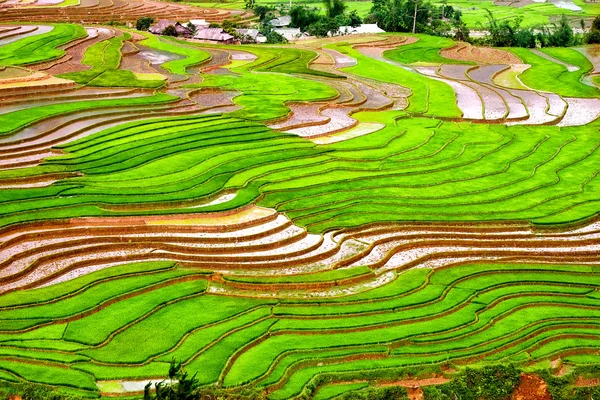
[(281, 22), (253, 34), (161, 25), (214, 35), (364, 28), (291, 33)]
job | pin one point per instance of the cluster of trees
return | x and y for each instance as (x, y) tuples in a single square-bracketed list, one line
[(418, 16), (265, 14), (316, 24), (593, 36), (509, 33), (311, 20)]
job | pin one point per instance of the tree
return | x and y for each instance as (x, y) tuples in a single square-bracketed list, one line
[(402, 15), (143, 23), (334, 7), (596, 24), (355, 19), (170, 31), (563, 34), (261, 12), (302, 17), (593, 36), (461, 32), (275, 38), (178, 387), (193, 29)]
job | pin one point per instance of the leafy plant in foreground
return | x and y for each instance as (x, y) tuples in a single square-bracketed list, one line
[(179, 386)]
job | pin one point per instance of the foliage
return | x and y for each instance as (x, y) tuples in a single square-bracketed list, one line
[(509, 33), (179, 387), (560, 36), (488, 383), (334, 8), (303, 16), (324, 26), (355, 19), (170, 31), (385, 393), (399, 16), (193, 29), (262, 11), (143, 23), (593, 36), (32, 391)]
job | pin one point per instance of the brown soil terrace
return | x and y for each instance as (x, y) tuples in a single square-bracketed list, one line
[(481, 55), (100, 11), (254, 239)]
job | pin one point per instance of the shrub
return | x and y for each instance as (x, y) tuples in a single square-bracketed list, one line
[(488, 383), (31, 391), (143, 23), (170, 31)]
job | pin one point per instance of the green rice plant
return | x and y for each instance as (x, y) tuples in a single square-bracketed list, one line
[(54, 374), (54, 292), (38, 48), (12, 121), (104, 59), (421, 101), (334, 390), (110, 319), (549, 76), (206, 337), (209, 364), (116, 371), (157, 339), (425, 51), (91, 297), (44, 355), (191, 56)]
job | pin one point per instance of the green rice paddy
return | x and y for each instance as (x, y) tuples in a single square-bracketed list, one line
[(150, 220)]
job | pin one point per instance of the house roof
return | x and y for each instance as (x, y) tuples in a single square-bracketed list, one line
[(160, 26), (199, 22), (364, 28), (289, 33), (216, 34), (284, 20), (253, 33), (182, 30)]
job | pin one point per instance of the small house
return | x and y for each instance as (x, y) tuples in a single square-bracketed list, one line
[(364, 28), (253, 35), (214, 35), (281, 22), (160, 27)]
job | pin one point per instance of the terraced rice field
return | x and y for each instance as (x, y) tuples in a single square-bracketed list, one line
[(304, 220)]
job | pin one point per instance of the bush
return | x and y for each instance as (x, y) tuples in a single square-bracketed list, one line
[(275, 38), (143, 23), (593, 36), (488, 383), (302, 17), (386, 393), (170, 31), (31, 391)]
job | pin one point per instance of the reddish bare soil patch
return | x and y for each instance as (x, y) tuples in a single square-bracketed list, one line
[(532, 387), (483, 55), (583, 382), (415, 393)]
